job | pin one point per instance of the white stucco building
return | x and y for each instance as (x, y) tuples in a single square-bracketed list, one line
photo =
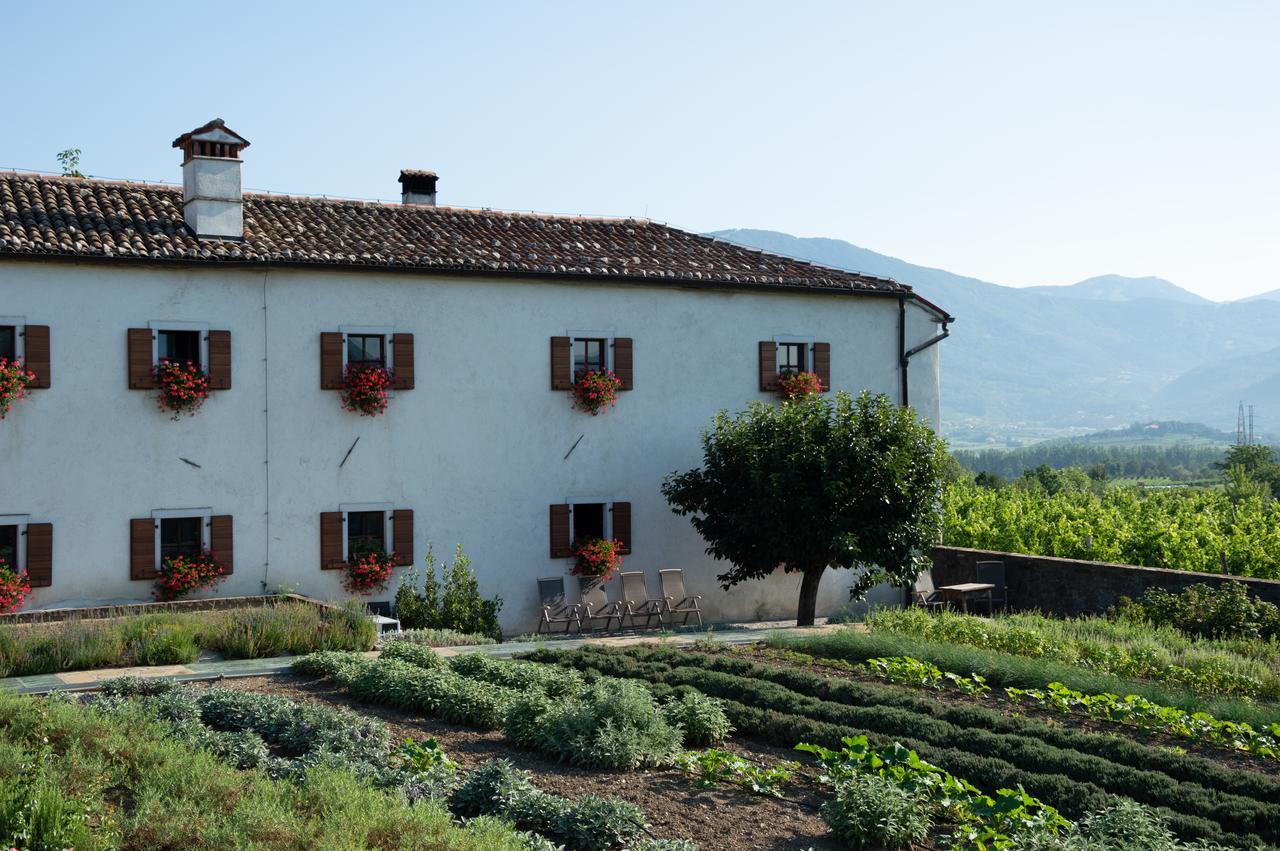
[(479, 313)]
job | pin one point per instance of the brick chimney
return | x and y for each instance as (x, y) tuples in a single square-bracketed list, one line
[(211, 196), (418, 187)]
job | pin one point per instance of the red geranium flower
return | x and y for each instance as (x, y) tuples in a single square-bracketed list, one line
[(597, 558), (365, 389), (14, 381), (368, 572), (799, 385), (14, 588), (180, 575), (181, 388), (593, 390)]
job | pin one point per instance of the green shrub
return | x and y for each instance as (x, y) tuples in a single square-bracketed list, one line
[(551, 680), (438, 692), (613, 724), (340, 666), (439, 637), (701, 719), (1127, 825), (867, 811), (158, 640), (1204, 611), (522, 724), (414, 654), (420, 603), (42, 819), (596, 824)]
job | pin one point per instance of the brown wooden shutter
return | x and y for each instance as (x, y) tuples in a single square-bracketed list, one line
[(36, 358), (561, 368), (330, 360), (331, 532), (402, 360), (768, 366), (622, 525), (140, 375), (822, 364), (622, 361), (402, 536), (142, 548), (220, 541), (219, 360), (561, 546), (40, 554)]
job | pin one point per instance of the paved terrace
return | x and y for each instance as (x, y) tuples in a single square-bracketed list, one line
[(215, 669)]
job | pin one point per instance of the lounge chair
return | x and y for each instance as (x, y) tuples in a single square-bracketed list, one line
[(992, 573), (924, 594), (639, 603), (596, 606), (676, 601), (554, 608)]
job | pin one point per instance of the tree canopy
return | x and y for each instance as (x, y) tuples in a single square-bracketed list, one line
[(812, 484)]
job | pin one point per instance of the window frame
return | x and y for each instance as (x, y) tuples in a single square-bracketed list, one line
[(386, 332), (783, 339), (575, 336), (201, 328), (387, 509), (20, 554), (19, 325), (590, 500), (159, 514)]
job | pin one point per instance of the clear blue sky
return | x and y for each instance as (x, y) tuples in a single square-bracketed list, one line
[(1024, 143)]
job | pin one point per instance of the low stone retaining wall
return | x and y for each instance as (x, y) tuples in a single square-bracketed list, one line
[(1064, 586), (127, 609)]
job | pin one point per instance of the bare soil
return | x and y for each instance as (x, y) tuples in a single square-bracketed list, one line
[(723, 817)]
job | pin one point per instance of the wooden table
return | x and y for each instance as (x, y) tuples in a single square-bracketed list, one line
[(964, 591)]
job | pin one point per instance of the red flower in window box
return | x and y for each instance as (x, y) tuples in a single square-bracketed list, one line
[(597, 558), (593, 390), (14, 588), (365, 389), (14, 381), (795, 386), (178, 576), (368, 572), (181, 388)]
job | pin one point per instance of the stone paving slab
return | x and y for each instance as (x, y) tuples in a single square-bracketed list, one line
[(204, 670)]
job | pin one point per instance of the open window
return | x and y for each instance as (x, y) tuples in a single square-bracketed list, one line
[(27, 343), (27, 547), (591, 351), (785, 355), (365, 346), (174, 532), (583, 519), (181, 343), (358, 528)]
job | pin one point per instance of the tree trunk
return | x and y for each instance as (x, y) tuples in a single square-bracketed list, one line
[(809, 595)]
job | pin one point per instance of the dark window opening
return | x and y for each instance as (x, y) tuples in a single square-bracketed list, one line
[(366, 350), (181, 536), (366, 533), (8, 342), (179, 347), (9, 547), (588, 356), (588, 521), (791, 358)]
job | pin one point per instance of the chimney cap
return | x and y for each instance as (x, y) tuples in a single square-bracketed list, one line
[(215, 131), (408, 174)]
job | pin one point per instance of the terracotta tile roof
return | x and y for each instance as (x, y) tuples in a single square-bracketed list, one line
[(42, 216)]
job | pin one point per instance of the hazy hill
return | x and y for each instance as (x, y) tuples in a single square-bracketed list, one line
[(1120, 288), (1024, 364), (1274, 295)]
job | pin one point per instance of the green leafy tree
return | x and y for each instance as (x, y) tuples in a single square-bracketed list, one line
[(70, 162), (813, 484)]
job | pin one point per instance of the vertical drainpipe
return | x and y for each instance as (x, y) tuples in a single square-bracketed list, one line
[(903, 362)]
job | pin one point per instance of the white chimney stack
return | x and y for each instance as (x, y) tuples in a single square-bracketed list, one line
[(418, 187), (212, 203)]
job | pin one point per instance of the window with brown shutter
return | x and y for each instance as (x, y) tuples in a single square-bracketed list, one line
[(622, 525), (561, 545), (142, 548), (822, 364), (40, 554), (622, 367), (402, 360), (768, 366), (331, 540), (561, 369), (36, 353), (402, 536), (220, 541), (219, 360), (141, 376), (331, 360)]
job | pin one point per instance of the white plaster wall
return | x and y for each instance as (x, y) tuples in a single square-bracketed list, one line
[(477, 449)]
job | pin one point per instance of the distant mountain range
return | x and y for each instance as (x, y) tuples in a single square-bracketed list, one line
[(1031, 363)]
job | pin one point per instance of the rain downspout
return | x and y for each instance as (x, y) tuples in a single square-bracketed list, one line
[(907, 354)]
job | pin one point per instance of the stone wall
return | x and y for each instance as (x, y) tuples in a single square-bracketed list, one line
[(1064, 586)]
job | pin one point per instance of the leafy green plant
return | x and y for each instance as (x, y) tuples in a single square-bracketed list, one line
[(455, 604), (597, 824), (612, 724), (415, 654), (438, 637), (868, 811), (714, 766), (908, 671), (340, 666), (701, 719), (1205, 611)]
